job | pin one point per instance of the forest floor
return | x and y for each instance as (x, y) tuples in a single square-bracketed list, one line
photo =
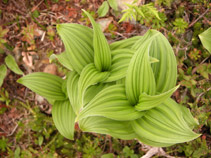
[(26, 126)]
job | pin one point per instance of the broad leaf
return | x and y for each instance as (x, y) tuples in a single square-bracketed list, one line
[(147, 102), (44, 84), (102, 53), (166, 68), (11, 63), (102, 125), (111, 103), (77, 40), (72, 90), (92, 91), (63, 59), (140, 78), (89, 76), (64, 118), (120, 63), (113, 4), (188, 117), (205, 38), (103, 9), (3, 73), (127, 43), (163, 126)]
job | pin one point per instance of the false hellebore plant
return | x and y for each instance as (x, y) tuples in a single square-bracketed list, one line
[(122, 89)]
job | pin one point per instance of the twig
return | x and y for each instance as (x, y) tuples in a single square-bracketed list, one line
[(199, 18), (154, 151), (35, 7), (13, 131), (52, 140), (200, 95)]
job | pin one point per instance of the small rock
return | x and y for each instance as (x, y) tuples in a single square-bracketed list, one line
[(122, 6), (39, 99), (51, 69), (104, 23)]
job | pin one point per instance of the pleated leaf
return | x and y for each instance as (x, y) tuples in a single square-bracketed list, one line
[(63, 59), (205, 38), (113, 4), (102, 125), (44, 84), (103, 9), (163, 126), (147, 102), (188, 117), (127, 43), (102, 53), (64, 118), (72, 90), (89, 76), (12, 65), (111, 103), (77, 40), (165, 71), (140, 78), (92, 91), (3, 73), (120, 62)]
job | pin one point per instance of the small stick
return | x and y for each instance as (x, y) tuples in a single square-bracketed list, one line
[(199, 18)]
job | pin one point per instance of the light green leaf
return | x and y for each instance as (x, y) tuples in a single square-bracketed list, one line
[(103, 9), (78, 44), (44, 84), (89, 76), (153, 60), (111, 103), (64, 118), (188, 117), (63, 59), (140, 78), (92, 91), (113, 4), (102, 125), (205, 38), (147, 102), (3, 73), (72, 90), (139, 11), (11, 63), (163, 126), (126, 43), (110, 155), (17, 152), (102, 53), (166, 68), (120, 63), (151, 9), (40, 140)]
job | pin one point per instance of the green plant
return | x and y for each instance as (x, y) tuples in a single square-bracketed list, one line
[(3, 32), (12, 65), (29, 34), (139, 12), (122, 89), (4, 97), (180, 25), (165, 2), (205, 38), (104, 8)]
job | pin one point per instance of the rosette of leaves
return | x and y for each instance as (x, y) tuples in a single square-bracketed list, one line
[(122, 89)]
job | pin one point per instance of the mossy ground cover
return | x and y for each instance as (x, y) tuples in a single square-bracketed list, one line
[(26, 126)]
